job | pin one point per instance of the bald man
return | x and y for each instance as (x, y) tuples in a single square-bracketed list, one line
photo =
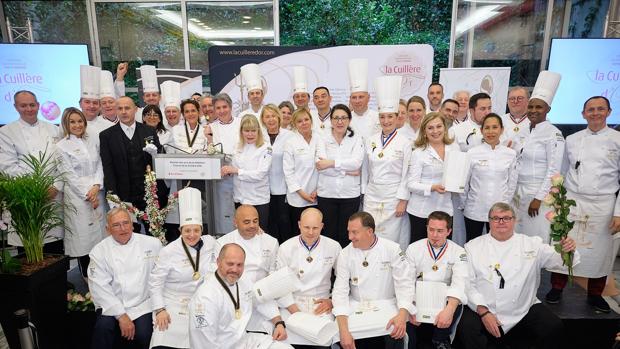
[(312, 257)]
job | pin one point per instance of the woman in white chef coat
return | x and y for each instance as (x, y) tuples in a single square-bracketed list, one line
[(402, 113), (492, 176), (250, 167), (425, 175), (286, 110), (152, 116), (279, 216), (79, 160), (299, 165), (181, 267), (416, 109), (189, 135), (340, 154)]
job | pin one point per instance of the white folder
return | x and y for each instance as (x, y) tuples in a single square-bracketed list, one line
[(430, 299), (276, 285), (455, 171), (319, 330), (368, 319)]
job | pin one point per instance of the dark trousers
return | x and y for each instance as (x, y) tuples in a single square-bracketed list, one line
[(297, 346), (279, 218), (473, 228), (83, 265), (295, 213), (383, 342), (418, 227), (595, 285), (336, 213), (442, 335), (542, 329), (107, 333), (263, 215)]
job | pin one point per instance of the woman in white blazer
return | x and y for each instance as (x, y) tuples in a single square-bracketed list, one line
[(299, 164), (426, 172), (340, 154)]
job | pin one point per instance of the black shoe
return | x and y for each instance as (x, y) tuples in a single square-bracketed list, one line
[(441, 345), (599, 304), (554, 296)]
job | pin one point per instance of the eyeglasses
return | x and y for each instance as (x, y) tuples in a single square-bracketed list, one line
[(516, 99), (496, 219), (152, 115), (118, 225), (340, 118)]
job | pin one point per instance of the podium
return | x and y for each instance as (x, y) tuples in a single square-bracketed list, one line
[(194, 167)]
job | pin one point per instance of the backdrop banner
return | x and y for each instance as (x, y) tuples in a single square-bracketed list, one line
[(494, 81)]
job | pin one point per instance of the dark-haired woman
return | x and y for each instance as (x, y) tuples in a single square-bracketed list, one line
[(340, 157), (152, 116), (189, 135)]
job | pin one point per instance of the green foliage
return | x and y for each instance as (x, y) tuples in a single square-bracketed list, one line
[(8, 264), (345, 22)]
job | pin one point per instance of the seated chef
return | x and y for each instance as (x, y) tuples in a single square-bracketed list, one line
[(369, 271), (438, 259), (118, 276), (504, 272)]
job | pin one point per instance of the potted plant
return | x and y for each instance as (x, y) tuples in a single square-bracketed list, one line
[(81, 319), (40, 283)]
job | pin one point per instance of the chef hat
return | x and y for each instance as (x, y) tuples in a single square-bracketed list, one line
[(388, 93), (190, 207), (276, 285), (358, 75), (252, 77), (148, 74), (171, 93), (300, 82), (546, 86), (89, 81), (106, 85)]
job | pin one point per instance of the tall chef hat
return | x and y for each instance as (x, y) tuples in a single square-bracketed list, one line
[(546, 86), (149, 78), (388, 93), (300, 81), (89, 81), (106, 85), (252, 77), (358, 75), (190, 207), (171, 93)]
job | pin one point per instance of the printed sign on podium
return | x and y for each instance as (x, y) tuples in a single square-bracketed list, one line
[(188, 166)]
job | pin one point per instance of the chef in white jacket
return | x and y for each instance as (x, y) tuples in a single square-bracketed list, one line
[(516, 123), (388, 154), (437, 259), (171, 97), (312, 257), (369, 272), (592, 167), (224, 134), (118, 276), (150, 89), (78, 156), (253, 81), (467, 133), (539, 159), (89, 100), (260, 256), (301, 96), (30, 136), (223, 305), (181, 267), (504, 272), (364, 121), (250, 169), (108, 96), (322, 99)]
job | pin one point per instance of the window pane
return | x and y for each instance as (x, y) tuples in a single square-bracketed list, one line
[(226, 23), (142, 33), (52, 21)]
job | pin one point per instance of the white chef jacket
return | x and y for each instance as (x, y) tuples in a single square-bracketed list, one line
[(277, 183), (451, 267), (179, 139), (98, 124), (171, 286), (80, 162), (224, 211), (348, 156), (314, 276), (519, 260), (425, 170), (227, 134), (492, 178), (409, 132), (467, 134), (251, 111), (212, 317), (118, 275), (367, 124), (166, 137), (387, 276), (514, 131), (299, 165), (322, 128), (251, 184)]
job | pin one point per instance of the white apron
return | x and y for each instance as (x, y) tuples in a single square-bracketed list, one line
[(224, 209), (176, 336), (86, 225), (380, 201), (526, 225)]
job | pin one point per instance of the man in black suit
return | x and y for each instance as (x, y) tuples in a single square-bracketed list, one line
[(122, 156)]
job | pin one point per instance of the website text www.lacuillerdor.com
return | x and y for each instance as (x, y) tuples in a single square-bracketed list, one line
[(247, 52)]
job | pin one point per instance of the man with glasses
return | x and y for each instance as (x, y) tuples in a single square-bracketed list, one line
[(118, 276), (592, 167), (504, 271), (516, 123)]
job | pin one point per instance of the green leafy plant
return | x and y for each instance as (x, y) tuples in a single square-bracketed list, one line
[(560, 225), (34, 212), (78, 302)]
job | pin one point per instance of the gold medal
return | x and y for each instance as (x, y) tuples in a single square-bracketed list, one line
[(435, 268), (497, 266), (301, 271), (322, 125), (516, 129), (238, 314), (364, 264), (196, 275), (309, 259), (380, 155)]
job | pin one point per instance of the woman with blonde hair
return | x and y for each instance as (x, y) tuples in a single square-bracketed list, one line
[(250, 167), (279, 215), (426, 172)]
